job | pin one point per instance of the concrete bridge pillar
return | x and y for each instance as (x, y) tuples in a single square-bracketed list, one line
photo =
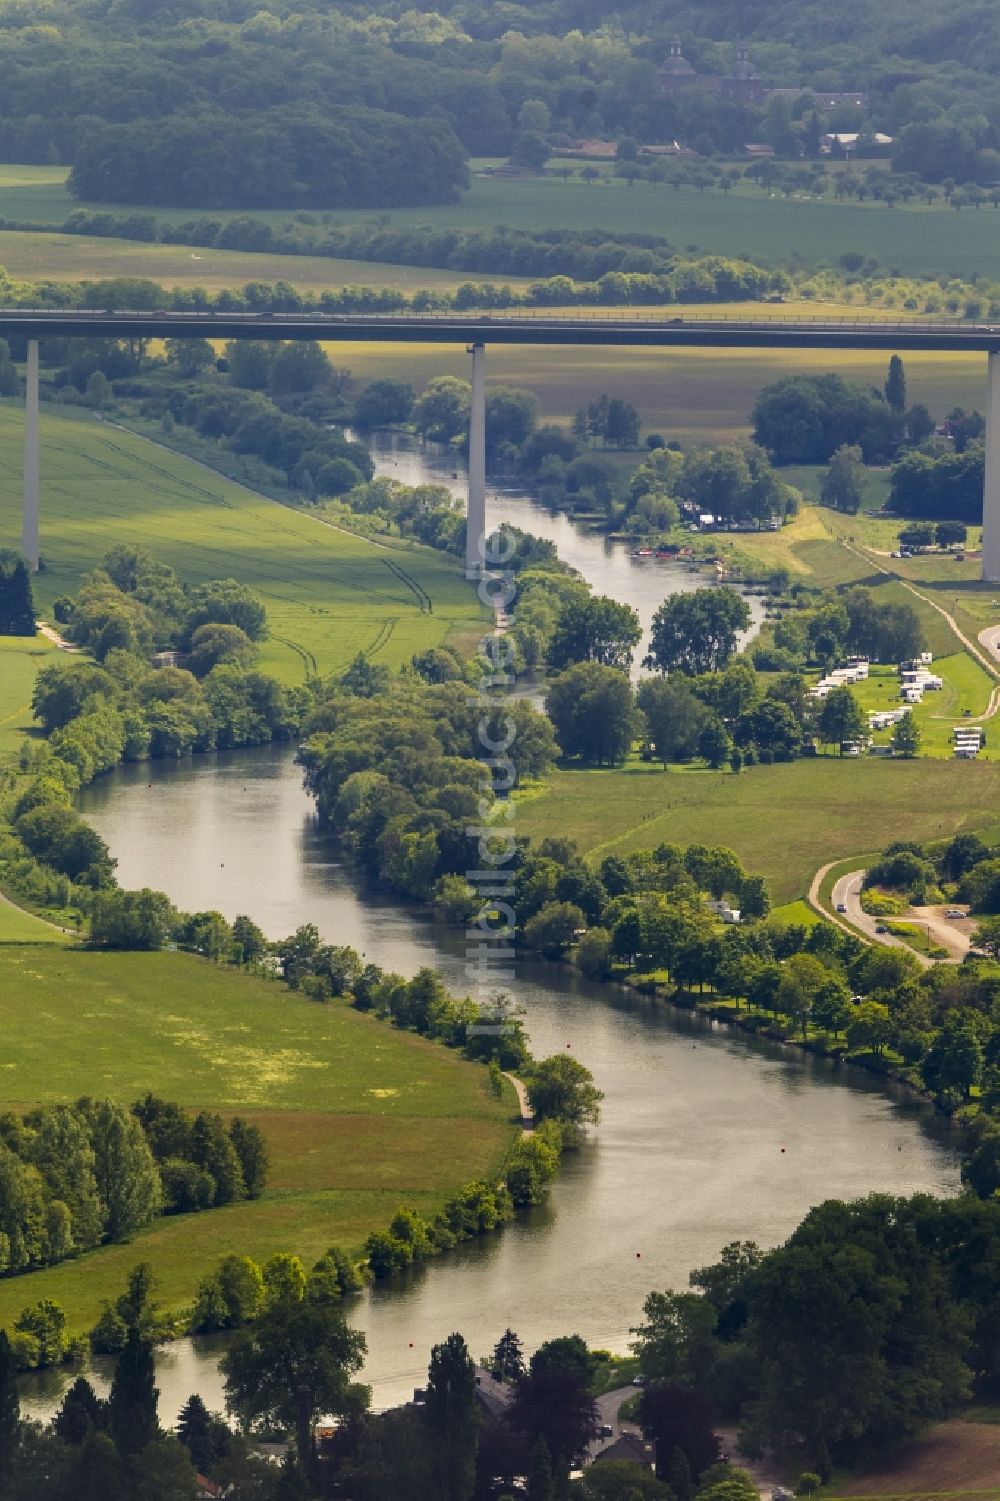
[(475, 534), (991, 495), (29, 515)]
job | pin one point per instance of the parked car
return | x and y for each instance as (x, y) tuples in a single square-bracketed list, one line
[(880, 927), (605, 1431), (841, 906), (954, 912)]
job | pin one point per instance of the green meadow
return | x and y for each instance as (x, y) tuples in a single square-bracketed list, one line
[(784, 822), (20, 659), (359, 1118), (329, 594), (914, 239), (695, 395)]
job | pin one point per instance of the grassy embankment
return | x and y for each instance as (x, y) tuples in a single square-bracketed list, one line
[(328, 594), (359, 1118), (916, 239), (20, 659)]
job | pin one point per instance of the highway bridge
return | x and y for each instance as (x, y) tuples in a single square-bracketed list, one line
[(477, 330)]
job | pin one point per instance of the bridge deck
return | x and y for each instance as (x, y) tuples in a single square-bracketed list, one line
[(500, 328)]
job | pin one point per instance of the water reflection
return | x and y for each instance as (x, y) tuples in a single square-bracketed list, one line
[(689, 1154), (608, 566)]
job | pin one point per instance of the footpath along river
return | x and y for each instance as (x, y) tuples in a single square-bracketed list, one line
[(688, 1155)]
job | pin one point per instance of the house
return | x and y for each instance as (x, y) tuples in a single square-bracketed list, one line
[(630, 1446), (492, 1395), (723, 910), (205, 1487)]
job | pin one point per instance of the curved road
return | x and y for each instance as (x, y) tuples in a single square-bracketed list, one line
[(947, 932)]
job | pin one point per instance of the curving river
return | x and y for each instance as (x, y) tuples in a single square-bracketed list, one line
[(707, 1134), (688, 1155), (610, 566)]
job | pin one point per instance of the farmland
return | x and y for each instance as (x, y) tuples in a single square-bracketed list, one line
[(837, 808), (328, 593), (915, 240), (695, 395), (954, 1460), (359, 1117)]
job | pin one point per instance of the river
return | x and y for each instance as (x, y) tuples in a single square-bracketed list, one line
[(609, 566), (689, 1154)]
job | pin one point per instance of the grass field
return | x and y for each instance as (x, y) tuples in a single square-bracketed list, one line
[(328, 594), (17, 926), (359, 1118), (695, 395), (57, 257), (954, 1460), (966, 687), (835, 807), (20, 659), (746, 222)]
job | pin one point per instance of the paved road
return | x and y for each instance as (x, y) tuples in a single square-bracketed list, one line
[(847, 893)]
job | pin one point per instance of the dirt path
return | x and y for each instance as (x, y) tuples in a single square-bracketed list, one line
[(763, 1472), (51, 634), (527, 1118)]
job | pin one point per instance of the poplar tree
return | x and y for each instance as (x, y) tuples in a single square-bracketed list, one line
[(895, 385), (17, 607)]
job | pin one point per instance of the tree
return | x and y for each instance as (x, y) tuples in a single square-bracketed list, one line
[(127, 1180), (870, 1027), (947, 533), (132, 1418), (297, 1360), (214, 643), (593, 628), (298, 366), (906, 735), (508, 1357), (674, 1345), (17, 607), (840, 718), (844, 481), (696, 633), (189, 357), (554, 1403), (81, 1412), (553, 928), (452, 1417), (253, 1155), (895, 385), (675, 717), (679, 1418), (541, 1484), (955, 1059), (249, 364), (715, 743), (10, 1410), (593, 712), (987, 937), (560, 1088), (384, 403)]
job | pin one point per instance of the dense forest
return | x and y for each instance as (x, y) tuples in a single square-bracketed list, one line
[(478, 77)]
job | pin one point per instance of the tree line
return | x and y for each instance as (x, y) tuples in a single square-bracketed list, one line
[(76, 1176), (273, 158)]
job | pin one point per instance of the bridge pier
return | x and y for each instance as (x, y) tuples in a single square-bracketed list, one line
[(29, 513), (991, 490), (475, 523)]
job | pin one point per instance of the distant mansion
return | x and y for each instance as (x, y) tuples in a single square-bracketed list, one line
[(742, 86)]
